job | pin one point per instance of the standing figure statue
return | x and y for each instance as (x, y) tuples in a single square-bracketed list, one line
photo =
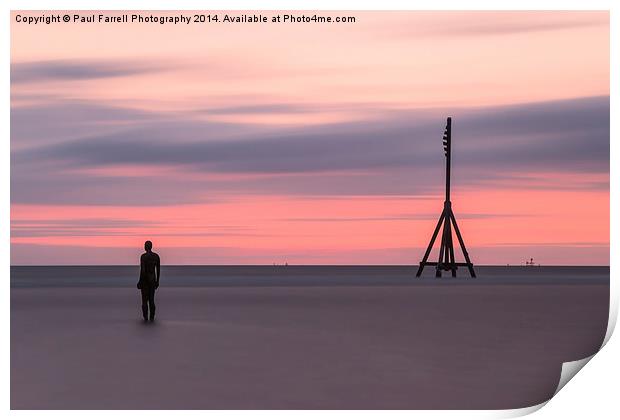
[(149, 280)]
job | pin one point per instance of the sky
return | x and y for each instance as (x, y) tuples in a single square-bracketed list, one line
[(311, 143)]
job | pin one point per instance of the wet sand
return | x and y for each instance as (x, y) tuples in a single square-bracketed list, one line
[(452, 346)]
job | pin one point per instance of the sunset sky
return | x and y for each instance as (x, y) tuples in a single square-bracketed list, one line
[(311, 143)]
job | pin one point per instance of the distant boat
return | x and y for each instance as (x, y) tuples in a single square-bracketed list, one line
[(530, 263)]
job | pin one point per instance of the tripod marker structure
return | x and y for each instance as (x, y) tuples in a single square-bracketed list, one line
[(446, 261)]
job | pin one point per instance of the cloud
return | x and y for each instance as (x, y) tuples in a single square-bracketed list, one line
[(569, 134), (88, 222), (492, 26), (564, 131), (41, 232), (489, 23), (396, 152), (554, 244), (73, 70), (97, 227), (276, 108), (61, 120), (74, 227), (273, 108), (405, 216)]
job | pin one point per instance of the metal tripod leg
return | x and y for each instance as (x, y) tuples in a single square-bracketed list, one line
[(441, 250), (470, 266), (450, 247), (430, 245)]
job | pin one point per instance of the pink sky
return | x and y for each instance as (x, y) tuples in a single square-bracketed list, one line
[(311, 144)]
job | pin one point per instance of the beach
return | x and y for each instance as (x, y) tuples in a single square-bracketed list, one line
[(300, 338)]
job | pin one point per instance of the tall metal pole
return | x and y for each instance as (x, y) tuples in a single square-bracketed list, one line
[(448, 147)]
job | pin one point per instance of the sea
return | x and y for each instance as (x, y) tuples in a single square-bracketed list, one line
[(294, 275)]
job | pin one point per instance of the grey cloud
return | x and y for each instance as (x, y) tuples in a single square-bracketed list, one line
[(31, 185), (58, 119), (198, 144), (559, 133), (395, 153), (71, 70), (62, 120)]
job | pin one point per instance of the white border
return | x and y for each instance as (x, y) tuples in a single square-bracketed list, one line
[(593, 394)]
